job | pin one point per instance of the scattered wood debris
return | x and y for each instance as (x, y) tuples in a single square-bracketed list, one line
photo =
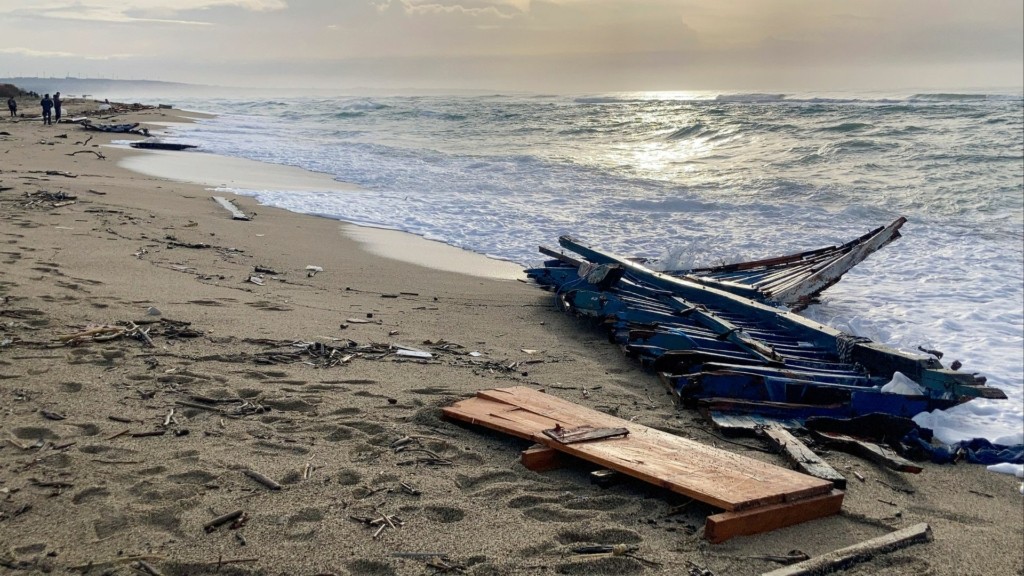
[(143, 330), (843, 557), (236, 214)]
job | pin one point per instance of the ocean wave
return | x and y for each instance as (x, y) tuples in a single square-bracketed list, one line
[(751, 97), (697, 129), (846, 127), (949, 97)]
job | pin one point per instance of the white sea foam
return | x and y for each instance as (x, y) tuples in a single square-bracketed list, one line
[(695, 181)]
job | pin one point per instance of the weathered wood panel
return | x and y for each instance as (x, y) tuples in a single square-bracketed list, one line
[(717, 477)]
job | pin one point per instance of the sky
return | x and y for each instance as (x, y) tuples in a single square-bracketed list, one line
[(549, 46)]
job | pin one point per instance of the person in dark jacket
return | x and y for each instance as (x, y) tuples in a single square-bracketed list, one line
[(47, 105), (56, 107), (12, 105)]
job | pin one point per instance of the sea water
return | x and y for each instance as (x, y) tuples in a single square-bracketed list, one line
[(694, 179)]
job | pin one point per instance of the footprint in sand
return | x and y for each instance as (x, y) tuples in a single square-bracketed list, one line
[(89, 494), (346, 411), (443, 514), (472, 483), (370, 568), (348, 477), (34, 433), (290, 404), (71, 387), (200, 477), (111, 523), (605, 565), (269, 306), (433, 391), (88, 429), (598, 536)]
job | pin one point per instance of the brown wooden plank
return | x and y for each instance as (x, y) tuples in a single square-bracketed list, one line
[(540, 458), (802, 457), (717, 477), (721, 527)]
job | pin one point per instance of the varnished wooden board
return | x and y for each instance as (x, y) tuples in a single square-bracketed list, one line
[(726, 525), (717, 477)]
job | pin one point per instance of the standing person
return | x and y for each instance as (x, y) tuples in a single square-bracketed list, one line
[(56, 107), (12, 104), (47, 105)]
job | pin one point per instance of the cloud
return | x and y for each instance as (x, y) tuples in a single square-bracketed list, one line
[(135, 11), (471, 8)]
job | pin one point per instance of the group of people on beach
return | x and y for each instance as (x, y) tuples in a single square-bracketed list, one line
[(51, 108)]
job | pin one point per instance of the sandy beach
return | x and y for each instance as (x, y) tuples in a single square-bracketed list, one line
[(154, 351)]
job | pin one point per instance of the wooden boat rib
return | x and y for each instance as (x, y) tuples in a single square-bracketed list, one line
[(708, 342), (794, 280)]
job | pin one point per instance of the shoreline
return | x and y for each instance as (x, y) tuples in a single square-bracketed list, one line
[(115, 454), (234, 174)]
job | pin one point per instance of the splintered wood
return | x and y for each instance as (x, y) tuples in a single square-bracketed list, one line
[(757, 496)]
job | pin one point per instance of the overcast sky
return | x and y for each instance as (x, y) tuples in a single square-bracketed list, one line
[(531, 45)]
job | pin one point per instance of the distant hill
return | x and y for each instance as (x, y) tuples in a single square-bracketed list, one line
[(101, 88)]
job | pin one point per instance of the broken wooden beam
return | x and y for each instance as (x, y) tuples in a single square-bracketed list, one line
[(235, 212), (878, 453), (801, 457), (844, 557)]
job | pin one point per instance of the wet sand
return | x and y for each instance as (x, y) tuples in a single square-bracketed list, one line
[(115, 451)]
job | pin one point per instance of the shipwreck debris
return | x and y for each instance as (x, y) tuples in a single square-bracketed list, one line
[(718, 342), (722, 479), (844, 557), (236, 214)]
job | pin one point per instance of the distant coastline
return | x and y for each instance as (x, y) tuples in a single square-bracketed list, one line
[(109, 88)]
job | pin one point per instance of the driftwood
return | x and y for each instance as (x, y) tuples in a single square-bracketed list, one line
[(866, 550), (801, 457), (221, 520), (878, 453), (98, 155), (227, 205), (262, 479)]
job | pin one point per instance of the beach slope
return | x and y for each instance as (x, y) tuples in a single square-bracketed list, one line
[(188, 393)]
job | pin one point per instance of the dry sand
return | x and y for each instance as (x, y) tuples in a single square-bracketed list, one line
[(84, 489)]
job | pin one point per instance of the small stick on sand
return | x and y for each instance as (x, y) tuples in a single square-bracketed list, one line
[(91, 565), (137, 331), (262, 479), (142, 566), (199, 406), (221, 520), (121, 433)]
